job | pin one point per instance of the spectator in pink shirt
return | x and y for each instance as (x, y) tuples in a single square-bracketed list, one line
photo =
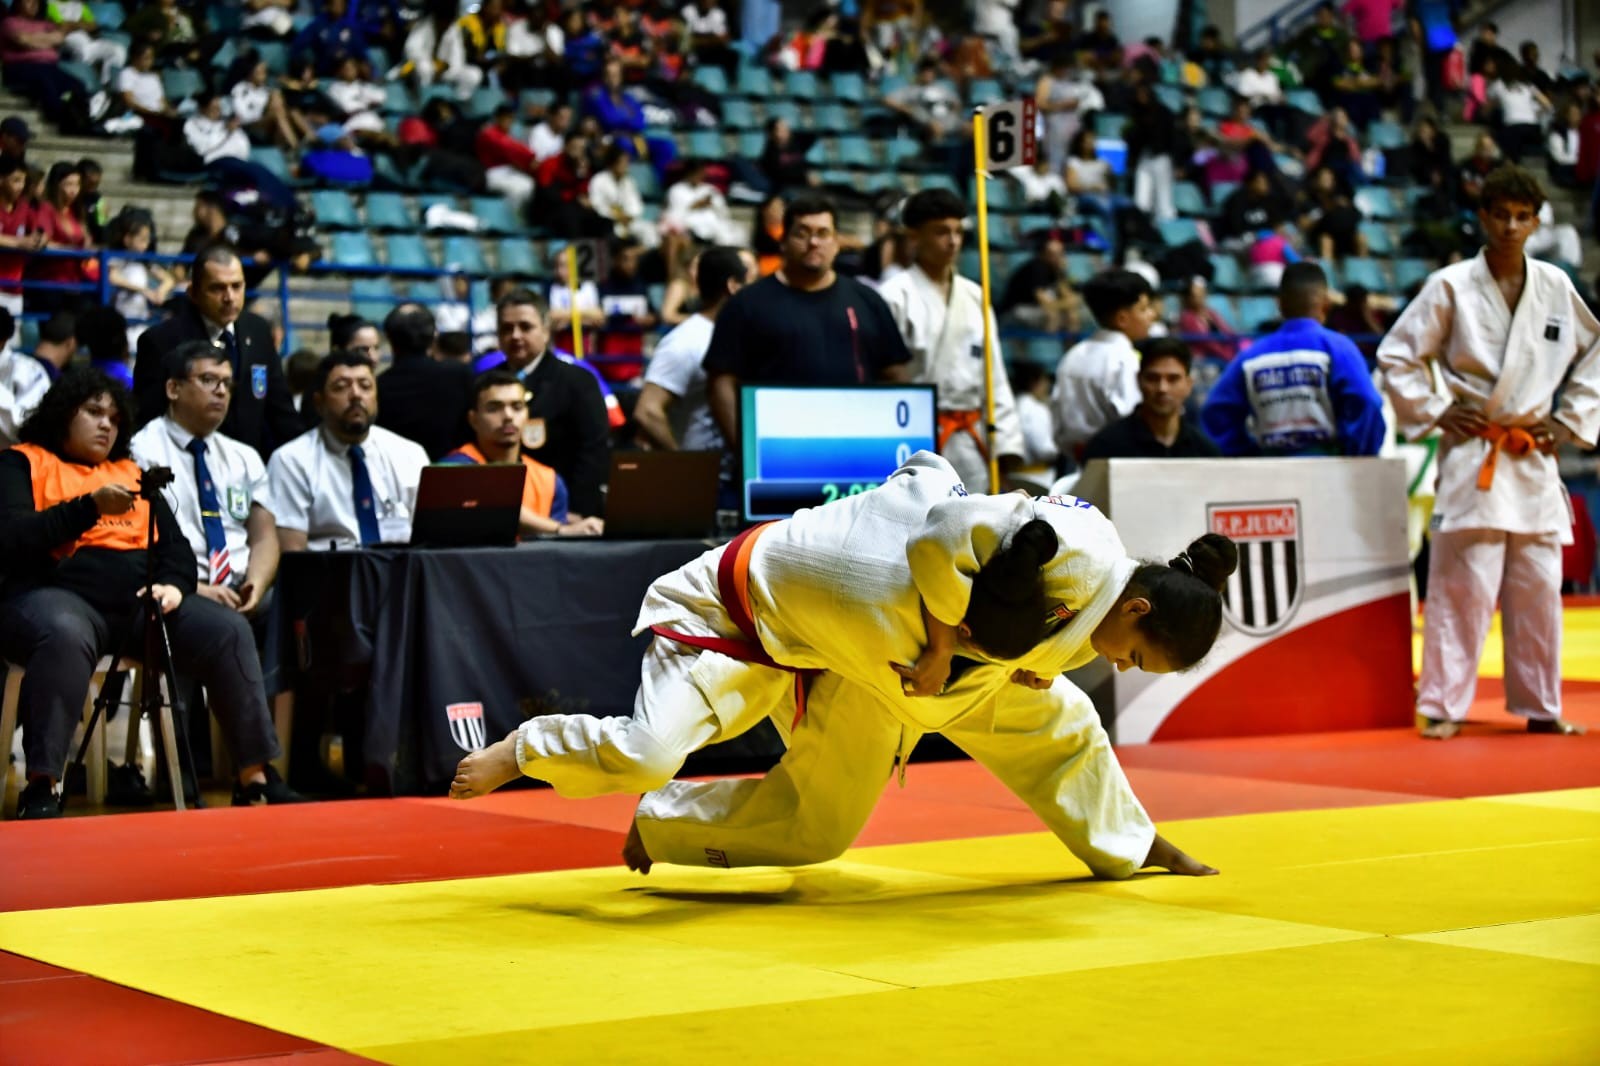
[(1371, 19)]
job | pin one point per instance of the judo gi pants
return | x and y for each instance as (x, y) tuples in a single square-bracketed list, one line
[(1467, 572)]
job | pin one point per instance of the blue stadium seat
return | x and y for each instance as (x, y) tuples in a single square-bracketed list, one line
[(1225, 274), (891, 83), (386, 175), (180, 83), (1189, 200), (1385, 134), (751, 142), (855, 151), (1081, 266), (1303, 100), (371, 298), (274, 53), (1171, 98), (1222, 306), (711, 79), (466, 254), (1214, 100), (738, 114), (1254, 310), (1176, 231), (397, 99), (387, 211), (1003, 194), (108, 16), (705, 144), (334, 209), (1004, 232), (938, 181), (1222, 190), (801, 84), (851, 88), (969, 265), (984, 91), (787, 110), (272, 160), (1035, 223), (1379, 240), (644, 177), (879, 181), (83, 72), (1408, 272), (823, 153), (484, 101), (515, 256), (831, 116), (494, 214), (754, 81), (1046, 351), (1109, 124), (378, 56), (1367, 273), (408, 251), (903, 150), (353, 250), (1375, 201), (531, 99)]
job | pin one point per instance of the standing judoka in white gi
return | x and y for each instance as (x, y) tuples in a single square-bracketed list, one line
[(852, 588), (940, 315), (1509, 335)]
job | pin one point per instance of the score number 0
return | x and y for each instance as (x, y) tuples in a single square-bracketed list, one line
[(902, 455)]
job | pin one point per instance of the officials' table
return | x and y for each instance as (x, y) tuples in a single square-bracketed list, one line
[(457, 647)]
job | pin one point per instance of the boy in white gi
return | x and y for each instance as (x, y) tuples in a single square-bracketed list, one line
[(1509, 335), (940, 315), (853, 590)]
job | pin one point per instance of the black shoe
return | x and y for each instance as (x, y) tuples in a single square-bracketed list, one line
[(270, 791), (125, 787), (1555, 725), (38, 800)]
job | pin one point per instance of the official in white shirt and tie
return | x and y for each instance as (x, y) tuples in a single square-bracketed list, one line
[(348, 483)]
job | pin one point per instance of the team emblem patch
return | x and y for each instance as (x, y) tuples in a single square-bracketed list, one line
[(466, 725), (258, 381), (1264, 593)]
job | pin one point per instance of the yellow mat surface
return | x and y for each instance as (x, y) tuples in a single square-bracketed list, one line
[(1461, 932), (1580, 646)]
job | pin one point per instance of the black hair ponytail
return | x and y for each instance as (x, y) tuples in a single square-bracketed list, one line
[(1185, 598), (1007, 610)]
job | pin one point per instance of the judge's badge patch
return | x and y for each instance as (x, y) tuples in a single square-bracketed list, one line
[(1264, 593), (238, 503), (258, 382), (466, 725)]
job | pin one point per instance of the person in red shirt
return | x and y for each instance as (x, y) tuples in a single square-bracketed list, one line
[(508, 164), (563, 205), (57, 219), (18, 230)]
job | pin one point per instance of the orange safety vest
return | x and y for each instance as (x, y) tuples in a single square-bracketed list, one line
[(57, 480), (538, 488)]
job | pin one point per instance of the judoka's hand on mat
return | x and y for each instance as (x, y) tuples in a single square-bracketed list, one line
[(928, 675), (1029, 679)]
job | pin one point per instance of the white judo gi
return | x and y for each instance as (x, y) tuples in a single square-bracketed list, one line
[(1504, 541), (946, 344), (840, 589)]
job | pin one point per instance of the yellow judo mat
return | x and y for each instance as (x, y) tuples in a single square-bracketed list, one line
[(1463, 931), (1580, 646)]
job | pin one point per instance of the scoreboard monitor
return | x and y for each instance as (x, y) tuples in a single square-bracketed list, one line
[(807, 446)]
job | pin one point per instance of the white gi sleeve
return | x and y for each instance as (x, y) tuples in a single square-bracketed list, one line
[(1579, 409), (1419, 335), (956, 539)]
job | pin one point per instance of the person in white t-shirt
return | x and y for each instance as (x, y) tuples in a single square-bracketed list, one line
[(672, 410), (548, 138), (213, 136), (272, 17), (138, 287), (1040, 183), (358, 102), (696, 207), (1521, 108), (1097, 380), (707, 24), (261, 110), (139, 87)]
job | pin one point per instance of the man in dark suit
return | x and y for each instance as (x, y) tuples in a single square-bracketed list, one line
[(567, 427), (261, 413), (419, 397)]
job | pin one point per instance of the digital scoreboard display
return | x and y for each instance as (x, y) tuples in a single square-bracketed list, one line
[(804, 447)]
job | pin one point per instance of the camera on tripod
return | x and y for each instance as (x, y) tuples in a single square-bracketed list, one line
[(153, 480)]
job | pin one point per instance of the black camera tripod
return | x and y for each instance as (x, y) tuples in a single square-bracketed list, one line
[(156, 659)]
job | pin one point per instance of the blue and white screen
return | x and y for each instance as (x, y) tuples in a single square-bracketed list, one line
[(803, 447)]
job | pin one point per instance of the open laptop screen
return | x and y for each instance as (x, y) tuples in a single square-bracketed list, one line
[(804, 446)]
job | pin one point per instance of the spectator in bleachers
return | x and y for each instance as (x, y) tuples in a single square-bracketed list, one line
[(261, 413), (696, 207), (561, 203), (709, 37), (261, 109), (30, 55), (57, 217), (268, 20), (1037, 294), (807, 48), (1397, 79), (139, 288), (1333, 144), (621, 116), (332, 155), (1559, 244), (1535, 74), (584, 49), (673, 411), (1357, 316), (57, 345), (1157, 428), (1561, 147), (436, 50), (331, 37), (568, 427), (102, 332), (1475, 169), (1486, 50), (1356, 87), (358, 102), (1151, 136), (1197, 318), (349, 483), (498, 415), (550, 133), (1030, 384), (1097, 378), (91, 199), (24, 379), (213, 136), (804, 325), (1431, 161), (615, 195), (168, 27), (1258, 203), (14, 137), (34, 190), (534, 44), (1320, 50), (1519, 109), (565, 305), (1240, 133), (1372, 20), (629, 313), (83, 42), (419, 397), (300, 373), (1042, 186), (141, 92), (1303, 390), (1271, 251), (1330, 222), (71, 582), (783, 158), (1064, 96), (508, 164), (996, 21), (1047, 33), (1212, 57), (1093, 185), (1101, 41), (19, 232), (894, 28), (458, 348)]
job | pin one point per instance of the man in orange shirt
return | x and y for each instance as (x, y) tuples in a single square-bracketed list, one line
[(498, 416)]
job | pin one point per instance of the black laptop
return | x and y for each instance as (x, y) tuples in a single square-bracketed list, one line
[(468, 506), (661, 495)]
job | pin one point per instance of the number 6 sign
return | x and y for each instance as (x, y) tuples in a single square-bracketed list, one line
[(1010, 129)]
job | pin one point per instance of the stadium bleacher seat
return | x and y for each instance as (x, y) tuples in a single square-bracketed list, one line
[(1081, 266), (751, 142), (1379, 240), (1176, 231), (901, 151), (754, 81), (850, 88), (738, 113), (711, 78), (334, 209), (1215, 101), (1046, 351), (786, 109), (1367, 273), (822, 152), (1222, 190), (938, 181), (353, 250), (494, 215), (408, 251), (1004, 232), (535, 99), (969, 265), (1375, 201), (516, 257), (1003, 195), (180, 83), (386, 175), (274, 53), (855, 151), (831, 115), (387, 211), (1226, 275), (1189, 200), (1303, 100), (1409, 272), (801, 84), (1171, 97), (1385, 134), (984, 91), (397, 99), (645, 178), (1109, 124), (108, 16), (372, 298), (273, 161), (705, 144), (1223, 306), (465, 253), (1254, 311)]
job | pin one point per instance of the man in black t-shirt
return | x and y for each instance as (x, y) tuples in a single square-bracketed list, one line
[(804, 325), (1157, 428)]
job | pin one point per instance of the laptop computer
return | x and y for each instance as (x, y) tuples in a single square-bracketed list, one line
[(468, 506), (657, 495)]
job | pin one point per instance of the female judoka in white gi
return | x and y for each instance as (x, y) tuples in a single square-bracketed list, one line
[(1509, 335), (854, 589)]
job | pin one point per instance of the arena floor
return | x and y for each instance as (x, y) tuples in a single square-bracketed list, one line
[(1382, 900)]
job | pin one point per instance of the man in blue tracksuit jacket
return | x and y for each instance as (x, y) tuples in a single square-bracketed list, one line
[(1304, 390)]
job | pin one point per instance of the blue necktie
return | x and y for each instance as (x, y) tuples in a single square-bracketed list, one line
[(231, 343), (366, 507), (210, 517)]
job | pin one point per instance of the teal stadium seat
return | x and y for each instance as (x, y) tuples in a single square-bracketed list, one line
[(1215, 101), (1222, 190), (334, 209), (1385, 134), (831, 115), (494, 214), (371, 298), (712, 79), (1380, 242), (515, 256), (1003, 195), (1304, 101), (1367, 273), (397, 99), (1409, 272), (751, 142), (738, 114), (802, 85), (1189, 200), (705, 144), (83, 72), (754, 81), (387, 211), (180, 83), (272, 160), (408, 251), (1109, 124), (1223, 306), (855, 151), (903, 150), (108, 16), (851, 88), (644, 176), (465, 253), (1081, 266), (1255, 310), (785, 109), (1177, 231), (1045, 351), (353, 250), (984, 91), (1225, 274), (1375, 201)]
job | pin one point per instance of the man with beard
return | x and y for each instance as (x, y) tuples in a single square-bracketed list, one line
[(348, 483)]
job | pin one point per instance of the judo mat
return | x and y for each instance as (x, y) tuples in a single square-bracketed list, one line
[(1382, 900)]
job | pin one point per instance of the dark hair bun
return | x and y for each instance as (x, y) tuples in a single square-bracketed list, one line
[(1212, 558), (1038, 540), (1012, 575)]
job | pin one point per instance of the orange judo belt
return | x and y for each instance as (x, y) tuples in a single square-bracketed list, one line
[(953, 422), (1512, 439), (733, 585)]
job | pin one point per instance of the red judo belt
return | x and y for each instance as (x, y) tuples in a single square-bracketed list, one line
[(1512, 439), (733, 585)]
